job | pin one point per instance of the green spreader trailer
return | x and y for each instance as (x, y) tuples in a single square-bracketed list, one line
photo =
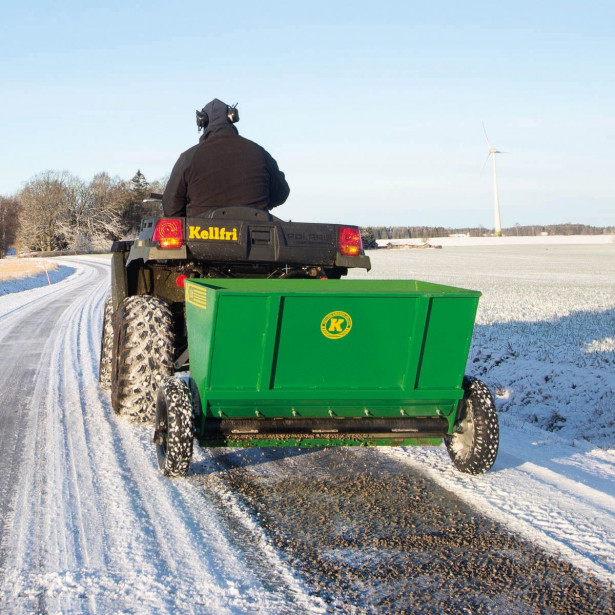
[(316, 363)]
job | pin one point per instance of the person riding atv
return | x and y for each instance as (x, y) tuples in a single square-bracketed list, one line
[(223, 169), (216, 225)]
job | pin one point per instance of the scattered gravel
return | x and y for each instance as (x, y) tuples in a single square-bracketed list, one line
[(371, 536)]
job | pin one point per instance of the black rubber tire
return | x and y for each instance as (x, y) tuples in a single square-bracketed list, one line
[(474, 445), (174, 431), (106, 346), (143, 350)]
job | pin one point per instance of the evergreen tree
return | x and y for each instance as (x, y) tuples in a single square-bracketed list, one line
[(135, 209), (368, 238), (139, 186)]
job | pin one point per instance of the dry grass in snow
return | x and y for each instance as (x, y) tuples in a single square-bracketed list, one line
[(14, 269)]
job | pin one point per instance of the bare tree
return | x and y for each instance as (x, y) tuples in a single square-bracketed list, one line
[(108, 201), (97, 212), (74, 222), (59, 210), (44, 203), (9, 223)]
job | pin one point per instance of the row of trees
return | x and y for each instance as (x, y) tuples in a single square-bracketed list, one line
[(419, 232), (57, 211)]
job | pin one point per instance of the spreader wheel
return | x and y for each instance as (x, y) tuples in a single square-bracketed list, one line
[(174, 427), (473, 446)]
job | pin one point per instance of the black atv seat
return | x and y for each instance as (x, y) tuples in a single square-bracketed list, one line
[(232, 212)]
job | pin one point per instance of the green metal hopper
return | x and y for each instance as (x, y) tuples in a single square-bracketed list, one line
[(326, 362)]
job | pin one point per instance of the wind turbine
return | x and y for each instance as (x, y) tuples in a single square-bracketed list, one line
[(492, 150)]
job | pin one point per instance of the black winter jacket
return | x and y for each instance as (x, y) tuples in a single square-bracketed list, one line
[(223, 170)]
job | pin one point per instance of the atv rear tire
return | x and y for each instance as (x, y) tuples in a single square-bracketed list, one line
[(143, 349), (106, 346), (474, 445), (174, 427)]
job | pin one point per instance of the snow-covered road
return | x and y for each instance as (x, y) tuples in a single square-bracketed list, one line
[(88, 522)]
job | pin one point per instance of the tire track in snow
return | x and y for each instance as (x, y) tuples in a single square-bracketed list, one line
[(529, 491), (576, 489), (96, 527), (23, 332)]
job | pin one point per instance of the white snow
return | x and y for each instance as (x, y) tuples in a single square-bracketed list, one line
[(96, 528), (547, 240), (41, 279), (543, 342)]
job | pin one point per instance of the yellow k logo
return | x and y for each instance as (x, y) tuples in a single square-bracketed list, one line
[(336, 325)]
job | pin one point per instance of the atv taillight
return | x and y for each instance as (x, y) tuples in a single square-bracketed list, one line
[(169, 233), (349, 241)]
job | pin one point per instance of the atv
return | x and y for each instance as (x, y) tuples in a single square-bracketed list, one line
[(144, 335)]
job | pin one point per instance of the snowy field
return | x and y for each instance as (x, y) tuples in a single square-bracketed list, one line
[(544, 342), (121, 534), (545, 331), (41, 278), (475, 242)]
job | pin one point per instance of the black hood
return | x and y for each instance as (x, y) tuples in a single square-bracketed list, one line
[(217, 113)]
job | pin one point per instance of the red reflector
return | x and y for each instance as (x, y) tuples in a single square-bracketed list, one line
[(169, 233), (180, 279), (349, 241)]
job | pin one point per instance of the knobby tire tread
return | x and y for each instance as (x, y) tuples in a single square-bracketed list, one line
[(174, 417), (481, 454), (106, 346), (143, 355)]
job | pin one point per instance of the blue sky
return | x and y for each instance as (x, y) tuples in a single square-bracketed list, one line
[(373, 110)]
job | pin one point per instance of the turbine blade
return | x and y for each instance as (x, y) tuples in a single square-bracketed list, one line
[(486, 137), (485, 163)]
